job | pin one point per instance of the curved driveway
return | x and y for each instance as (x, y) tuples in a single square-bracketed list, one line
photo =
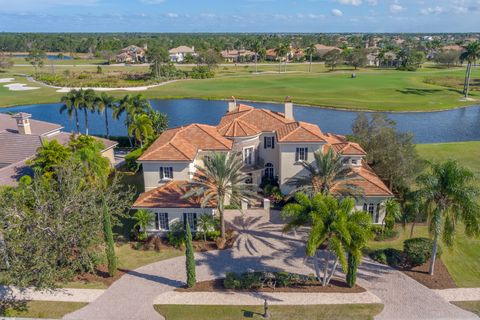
[(260, 245)]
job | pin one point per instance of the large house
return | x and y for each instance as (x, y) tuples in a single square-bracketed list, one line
[(234, 55), (132, 54), (178, 54), (272, 145), (20, 137)]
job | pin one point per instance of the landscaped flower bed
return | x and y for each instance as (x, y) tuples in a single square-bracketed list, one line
[(262, 281)]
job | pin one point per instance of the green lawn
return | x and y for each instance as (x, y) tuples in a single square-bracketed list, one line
[(45, 309), (372, 89), (315, 312), (472, 306)]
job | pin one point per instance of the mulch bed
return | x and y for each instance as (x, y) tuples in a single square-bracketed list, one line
[(100, 275), (441, 278), (335, 286)]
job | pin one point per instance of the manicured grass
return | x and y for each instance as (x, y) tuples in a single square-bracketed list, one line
[(373, 89), (314, 312), (45, 309), (472, 306)]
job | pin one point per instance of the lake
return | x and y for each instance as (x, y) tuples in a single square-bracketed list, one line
[(49, 57), (428, 127)]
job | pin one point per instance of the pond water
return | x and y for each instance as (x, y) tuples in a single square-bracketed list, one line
[(428, 127), (49, 57)]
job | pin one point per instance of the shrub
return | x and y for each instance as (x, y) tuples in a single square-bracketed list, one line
[(131, 159), (386, 235), (284, 279), (201, 72), (176, 235), (379, 256), (232, 207), (251, 280), (231, 281), (418, 251), (389, 256)]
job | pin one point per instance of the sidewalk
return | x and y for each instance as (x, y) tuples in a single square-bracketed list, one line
[(460, 294), (65, 295)]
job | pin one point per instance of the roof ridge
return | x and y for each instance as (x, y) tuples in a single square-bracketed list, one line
[(289, 133), (309, 130), (186, 156), (200, 126), (384, 187), (154, 150)]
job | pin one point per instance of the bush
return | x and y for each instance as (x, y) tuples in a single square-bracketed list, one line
[(176, 236), (232, 207), (131, 159), (418, 251), (201, 72), (231, 281), (389, 256), (260, 279), (386, 235)]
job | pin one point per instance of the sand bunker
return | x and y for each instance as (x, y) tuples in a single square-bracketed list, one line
[(19, 87), (5, 80)]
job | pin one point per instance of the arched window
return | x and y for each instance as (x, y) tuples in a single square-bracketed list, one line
[(269, 172)]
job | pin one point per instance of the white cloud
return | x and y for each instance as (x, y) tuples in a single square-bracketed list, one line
[(396, 8), (172, 15), (432, 10), (337, 13), (351, 2)]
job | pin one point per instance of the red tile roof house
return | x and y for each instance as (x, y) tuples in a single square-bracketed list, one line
[(20, 137), (272, 144)]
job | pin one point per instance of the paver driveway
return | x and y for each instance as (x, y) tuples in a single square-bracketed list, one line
[(261, 245)]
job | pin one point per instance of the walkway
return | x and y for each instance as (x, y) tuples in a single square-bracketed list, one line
[(261, 246)]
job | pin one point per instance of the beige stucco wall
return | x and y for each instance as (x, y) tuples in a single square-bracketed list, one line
[(109, 154), (151, 172), (375, 201), (270, 155), (288, 167), (176, 215)]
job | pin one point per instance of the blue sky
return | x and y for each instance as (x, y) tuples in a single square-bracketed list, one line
[(240, 15)]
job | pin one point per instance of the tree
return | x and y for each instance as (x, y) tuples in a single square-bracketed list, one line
[(131, 105), (159, 121), (447, 58), (190, 259), (105, 102), (450, 193), (157, 57), (356, 58), (393, 213), (89, 99), (220, 179), (88, 151), (49, 156), (256, 47), (390, 153), (325, 173), (310, 51), (471, 55), (210, 58), (71, 103), (332, 59), (281, 50), (206, 223), (5, 62), (410, 60), (142, 219), (141, 128), (109, 243), (37, 59)]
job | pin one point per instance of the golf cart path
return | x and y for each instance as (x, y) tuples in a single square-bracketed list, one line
[(261, 246)]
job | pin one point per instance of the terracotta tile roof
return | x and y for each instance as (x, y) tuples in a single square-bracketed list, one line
[(300, 132), (368, 182), (181, 49), (38, 127), (168, 196), (183, 143), (64, 138), (349, 148), (16, 147)]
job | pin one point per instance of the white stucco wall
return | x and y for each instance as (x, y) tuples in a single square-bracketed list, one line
[(151, 172), (289, 167), (270, 155), (176, 215), (375, 201)]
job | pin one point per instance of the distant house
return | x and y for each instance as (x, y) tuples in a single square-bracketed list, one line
[(20, 137), (292, 54), (271, 55), (132, 54), (241, 55), (178, 54), (323, 49), (389, 60), (372, 59), (452, 47)]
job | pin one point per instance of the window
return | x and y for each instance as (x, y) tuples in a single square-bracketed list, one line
[(269, 172), (371, 208), (191, 217), (248, 156), (377, 214), (365, 207), (301, 154), (166, 173), (161, 221), (354, 162), (269, 142), (345, 160)]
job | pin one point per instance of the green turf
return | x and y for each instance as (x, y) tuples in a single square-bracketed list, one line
[(314, 312), (373, 89), (45, 309), (472, 306)]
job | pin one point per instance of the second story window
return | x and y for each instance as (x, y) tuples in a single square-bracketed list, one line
[(269, 142), (166, 173), (301, 154), (248, 156)]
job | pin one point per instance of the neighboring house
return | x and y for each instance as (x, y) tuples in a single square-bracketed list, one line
[(292, 54), (372, 59), (178, 54), (20, 137), (241, 55), (273, 145), (323, 49), (389, 60), (132, 54)]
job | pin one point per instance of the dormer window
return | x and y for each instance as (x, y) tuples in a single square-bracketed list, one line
[(166, 173), (301, 154), (269, 142)]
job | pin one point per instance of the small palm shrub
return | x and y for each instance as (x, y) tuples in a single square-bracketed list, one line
[(418, 251), (176, 235)]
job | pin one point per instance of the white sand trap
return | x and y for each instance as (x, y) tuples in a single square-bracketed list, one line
[(5, 80), (19, 87), (144, 88)]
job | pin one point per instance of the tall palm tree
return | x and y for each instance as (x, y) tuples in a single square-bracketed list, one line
[(220, 179), (256, 47), (281, 50), (71, 104), (141, 128), (89, 105), (471, 55), (131, 105), (450, 197), (105, 102), (310, 51), (325, 173)]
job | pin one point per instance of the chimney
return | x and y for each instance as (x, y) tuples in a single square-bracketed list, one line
[(232, 104), (288, 108), (23, 122)]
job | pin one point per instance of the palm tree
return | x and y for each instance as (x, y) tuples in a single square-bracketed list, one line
[(220, 179), (256, 47), (71, 103), (450, 197), (281, 50), (325, 173), (131, 105), (206, 223), (105, 102), (471, 55), (141, 128), (89, 105), (310, 51), (393, 212), (142, 219)]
